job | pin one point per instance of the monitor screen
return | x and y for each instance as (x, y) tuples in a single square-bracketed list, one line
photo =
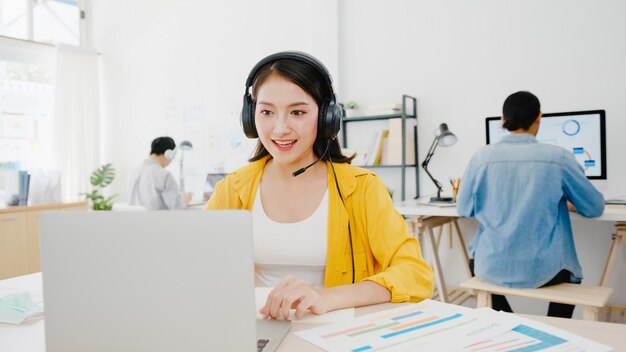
[(209, 185), (581, 132)]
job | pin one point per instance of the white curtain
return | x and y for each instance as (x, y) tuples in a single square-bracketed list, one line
[(77, 120)]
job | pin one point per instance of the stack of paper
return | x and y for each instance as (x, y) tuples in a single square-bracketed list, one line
[(435, 326)]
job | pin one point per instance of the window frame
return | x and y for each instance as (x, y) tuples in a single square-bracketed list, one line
[(83, 27)]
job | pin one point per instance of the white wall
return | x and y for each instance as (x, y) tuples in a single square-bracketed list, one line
[(461, 59), (178, 68)]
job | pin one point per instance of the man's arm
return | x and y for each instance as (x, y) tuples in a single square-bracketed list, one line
[(584, 197)]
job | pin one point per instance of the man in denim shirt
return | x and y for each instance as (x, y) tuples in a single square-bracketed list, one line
[(520, 191)]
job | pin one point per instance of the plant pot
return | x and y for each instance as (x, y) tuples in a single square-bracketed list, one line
[(351, 113)]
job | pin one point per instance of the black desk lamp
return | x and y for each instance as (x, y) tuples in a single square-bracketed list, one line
[(444, 138)]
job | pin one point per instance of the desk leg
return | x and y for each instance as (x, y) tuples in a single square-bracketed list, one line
[(483, 299), (438, 237), (463, 248), (590, 313), (441, 284), (618, 238)]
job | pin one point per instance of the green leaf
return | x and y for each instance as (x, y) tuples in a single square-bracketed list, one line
[(106, 204), (103, 176), (100, 178)]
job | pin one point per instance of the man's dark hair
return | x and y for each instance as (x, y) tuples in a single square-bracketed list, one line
[(520, 110), (161, 144)]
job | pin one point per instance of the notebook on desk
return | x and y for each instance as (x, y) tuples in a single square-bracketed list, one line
[(615, 201), (151, 281), (440, 204)]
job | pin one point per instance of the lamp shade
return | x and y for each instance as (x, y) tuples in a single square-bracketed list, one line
[(445, 137), (186, 145)]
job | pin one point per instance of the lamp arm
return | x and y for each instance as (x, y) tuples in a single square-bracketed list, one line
[(431, 151)]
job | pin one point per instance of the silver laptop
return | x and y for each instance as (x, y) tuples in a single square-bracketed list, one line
[(151, 281)]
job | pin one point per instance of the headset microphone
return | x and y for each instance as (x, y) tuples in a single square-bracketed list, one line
[(302, 170), (296, 173)]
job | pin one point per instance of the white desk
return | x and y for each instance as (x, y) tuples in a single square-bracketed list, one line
[(436, 216), (426, 219), (415, 207), (29, 337)]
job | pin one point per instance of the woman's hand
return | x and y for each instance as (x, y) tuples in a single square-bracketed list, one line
[(293, 293)]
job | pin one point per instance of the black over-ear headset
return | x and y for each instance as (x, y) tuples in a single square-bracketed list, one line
[(330, 113), (329, 119)]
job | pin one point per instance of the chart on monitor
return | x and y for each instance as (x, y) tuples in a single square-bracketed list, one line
[(581, 132)]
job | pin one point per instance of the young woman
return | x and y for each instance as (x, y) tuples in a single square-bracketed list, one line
[(326, 234)]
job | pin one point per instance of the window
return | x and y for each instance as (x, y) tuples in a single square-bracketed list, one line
[(26, 97), (13, 19), (46, 21), (29, 30)]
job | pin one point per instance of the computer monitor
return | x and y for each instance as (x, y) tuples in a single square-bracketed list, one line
[(581, 132), (209, 185)]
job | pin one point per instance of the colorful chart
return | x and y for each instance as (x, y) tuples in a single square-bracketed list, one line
[(436, 326), (424, 324)]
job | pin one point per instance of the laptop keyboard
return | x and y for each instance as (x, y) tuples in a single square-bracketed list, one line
[(260, 344)]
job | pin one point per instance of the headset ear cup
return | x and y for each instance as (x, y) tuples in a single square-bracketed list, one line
[(170, 154), (247, 117), (322, 120), (332, 116)]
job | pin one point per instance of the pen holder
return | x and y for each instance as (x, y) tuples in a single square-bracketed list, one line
[(455, 187)]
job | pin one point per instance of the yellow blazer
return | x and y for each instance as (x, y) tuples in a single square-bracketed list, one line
[(384, 252)]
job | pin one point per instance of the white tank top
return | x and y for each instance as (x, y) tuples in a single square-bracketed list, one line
[(290, 249)]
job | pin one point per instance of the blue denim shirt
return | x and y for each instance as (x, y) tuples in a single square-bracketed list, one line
[(518, 190)]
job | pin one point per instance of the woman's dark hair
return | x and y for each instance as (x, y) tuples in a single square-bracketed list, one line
[(161, 144), (520, 110), (313, 83)]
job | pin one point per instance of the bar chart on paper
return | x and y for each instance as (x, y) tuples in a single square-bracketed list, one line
[(435, 326), (530, 336), (423, 325), (523, 338)]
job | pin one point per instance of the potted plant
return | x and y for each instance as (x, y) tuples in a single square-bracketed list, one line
[(100, 178), (350, 108)]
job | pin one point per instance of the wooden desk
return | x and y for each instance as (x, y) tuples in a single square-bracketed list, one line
[(29, 337), (425, 219), (19, 236), (416, 210), (605, 333)]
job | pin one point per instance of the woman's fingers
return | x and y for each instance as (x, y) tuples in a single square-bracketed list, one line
[(274, 299), (306, 303), (291, 293)]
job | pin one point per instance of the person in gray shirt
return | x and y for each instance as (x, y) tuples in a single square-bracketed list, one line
[(152, 186)]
